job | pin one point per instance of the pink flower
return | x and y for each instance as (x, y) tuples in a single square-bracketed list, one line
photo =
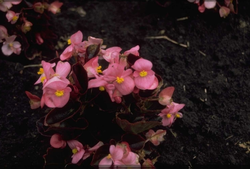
[(10, 46), (56, 93), (73, 42), (134, 51), (224, 11), (121, 79), (55, 7), (12, 17), (209, 4), (39, 39), (3, 33), (92, 67), (120, 155), (143, 75), (56, 141), (111, 53), (26, 26), (35, 101), (38, 7), (7, 4), (169, 114), (155, 137), (165, 96), (90, 150), (77, 150)]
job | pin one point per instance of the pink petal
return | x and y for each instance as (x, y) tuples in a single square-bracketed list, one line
[(74, 143), (166, 95), (16, 44), (98, 145), (93, 83), (201, 8), (77, 157), (34, 100), (112, 53), (176, 107), (3, 33), (167, 121), (47, 68), (224, 11), (57, 142), (16, 2), (105, 162), (116, 152), (10, 39), (67, 53), (6, 50), (63, 69), (9, 15), (76, 38), (144, 83), (93, 40), (209, 4), (142, 64), (133, 51), (131, 159), (126, 87), (154, 85)]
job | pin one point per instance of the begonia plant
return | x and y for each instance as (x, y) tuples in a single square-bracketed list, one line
[(30, 23), (105, 107)]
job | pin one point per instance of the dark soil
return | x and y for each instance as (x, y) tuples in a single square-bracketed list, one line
[(211, 76)]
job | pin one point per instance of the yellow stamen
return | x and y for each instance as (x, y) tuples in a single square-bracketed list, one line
[(168, 116), (27, 28), (178, 116), (109, 156), (10, 44), (74, 151), (98, 69), (143, 73), (59, 93), (14, 18), (69, 41), (43, 78), (119, 80), (101, 88), (40, 71)]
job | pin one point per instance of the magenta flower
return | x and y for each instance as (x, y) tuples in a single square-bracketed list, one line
[(56, 93), (55, 6), (143, 75), (165, 96), (77, 150), (12, 17), (155, 137), (10, 46), (3, 33), (170, 113)]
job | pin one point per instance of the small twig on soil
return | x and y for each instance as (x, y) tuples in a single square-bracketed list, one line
[(182, 19), (174, 134), (229, 137), (202, 53), (37, 65), (167, 38)]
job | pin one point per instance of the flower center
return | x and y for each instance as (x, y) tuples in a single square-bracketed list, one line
[(40, 71), (10, 45), (178, 116), (74, 151), (69, 41), (168, 115), (109, 156), (98, 69), (101, 88), (119, 80), (143, 73), (43, 78), (14, 18), (59, 93)]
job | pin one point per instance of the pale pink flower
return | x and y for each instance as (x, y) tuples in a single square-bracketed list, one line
[(26, 26), (209, 4), (35, 101), (10, 46), (165, 96), (155, 137), (3, 33), (39, 39), (77, 150), (12, 17), (56, 141), (170, 113), (224, 11), (111, 53), (54, 7), (144, 77), (56, 93), (73, 42)]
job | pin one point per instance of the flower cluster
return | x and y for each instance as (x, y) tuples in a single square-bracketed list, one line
[(224, 9), (93, 90), (21, 20)]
